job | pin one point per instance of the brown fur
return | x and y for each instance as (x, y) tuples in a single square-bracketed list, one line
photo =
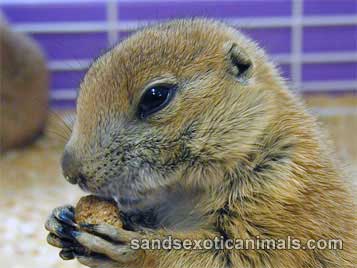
[(226, 157)]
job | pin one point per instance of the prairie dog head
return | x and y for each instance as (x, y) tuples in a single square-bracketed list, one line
[(180, 102)]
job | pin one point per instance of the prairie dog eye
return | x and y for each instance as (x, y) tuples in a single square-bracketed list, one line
[(154, 99)]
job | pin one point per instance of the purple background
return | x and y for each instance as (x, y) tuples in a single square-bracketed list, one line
[(87, 45)]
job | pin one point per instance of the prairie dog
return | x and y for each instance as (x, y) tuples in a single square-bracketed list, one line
[(189, 126)]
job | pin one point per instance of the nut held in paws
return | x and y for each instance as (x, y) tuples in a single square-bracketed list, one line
[(95, 210)]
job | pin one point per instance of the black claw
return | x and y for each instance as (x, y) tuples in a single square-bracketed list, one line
[(69, 244), (64, 243), (81, 251), (66, 254), (68, 213), (67, 217), (71, 209), (65, 232), (74, 233), (87, 226)]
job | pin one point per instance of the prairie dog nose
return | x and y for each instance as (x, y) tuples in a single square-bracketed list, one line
[(70, 167)]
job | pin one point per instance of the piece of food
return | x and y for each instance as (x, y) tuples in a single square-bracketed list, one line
[(95, 210)]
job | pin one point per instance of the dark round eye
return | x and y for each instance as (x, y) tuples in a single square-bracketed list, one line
[(154, 99)]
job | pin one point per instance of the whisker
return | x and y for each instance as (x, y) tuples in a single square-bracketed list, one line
[(67, 127)]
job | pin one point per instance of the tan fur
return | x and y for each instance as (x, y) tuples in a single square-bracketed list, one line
[(255, 158)]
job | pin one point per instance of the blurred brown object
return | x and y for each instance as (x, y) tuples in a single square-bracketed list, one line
[(23, 89)]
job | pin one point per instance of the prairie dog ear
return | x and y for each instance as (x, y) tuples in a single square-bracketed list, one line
[(240, 64)]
